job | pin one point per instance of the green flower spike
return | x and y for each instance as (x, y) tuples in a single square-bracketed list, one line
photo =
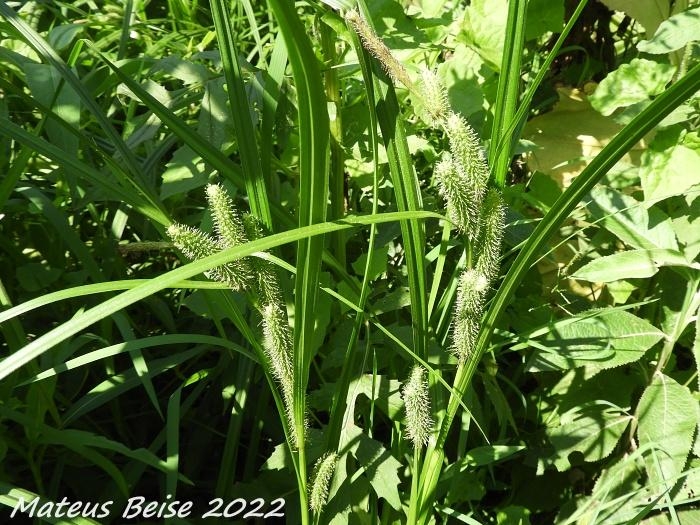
[(492, 220), (267, 284), (419, 424), (378, 49), (197, 245), (227, 223), (471, 168), (250, 272), (434, 97), (468, 310), (459, 199), (323, 473), (277, 336), (277, 344)]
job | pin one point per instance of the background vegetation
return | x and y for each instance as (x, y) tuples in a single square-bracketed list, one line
[(126, 372)]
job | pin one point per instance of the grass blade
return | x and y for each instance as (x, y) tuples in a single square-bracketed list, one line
[(313, 195), (240, 114), (508, 90)]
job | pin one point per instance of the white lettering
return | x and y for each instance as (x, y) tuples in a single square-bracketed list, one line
[(184, 511), (137, 507), (74, 509), (59, 507), (136, 503), (104, 508), (45, 510), (23, 506)]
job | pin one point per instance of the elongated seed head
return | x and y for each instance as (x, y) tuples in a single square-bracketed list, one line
[(374, 45), (461, 208), (469, 307), (277, 336), (489, 245), (419, 424), (227, 223), (434, 96), (277, 344), (197, 245), (464, 184), (321, 480)]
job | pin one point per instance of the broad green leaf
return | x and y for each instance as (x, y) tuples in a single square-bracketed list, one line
[(593, 436), (185, 171), (396, 27), (616, 495), (609, 386), (670, 169), (570, 136), (597, 339), (33, 277), (387, 393), (378, 266), (281, 459), (632, 264), (635, 82), (187, 71), (627, 218), (649, 13), (696, 343), (489, 454), (686, 223), (350, 502), (484, 27), (621, 290), (685, 516), (60, 37), (544, 16), (513, 515), (668, 416), (461, 72), (52, 91), (381, 467), (691, 481), (674, 33)]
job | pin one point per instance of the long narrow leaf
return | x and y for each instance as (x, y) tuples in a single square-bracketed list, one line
[(240, 114), (313, 196), (34, 349), (408, 198), (508, 89)]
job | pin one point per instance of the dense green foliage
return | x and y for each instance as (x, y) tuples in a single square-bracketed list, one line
[(375, 262)]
